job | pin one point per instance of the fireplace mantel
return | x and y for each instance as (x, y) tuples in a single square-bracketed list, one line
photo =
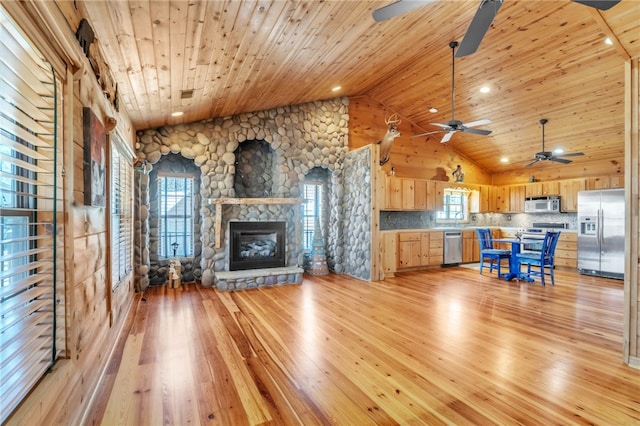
[(238, 201)]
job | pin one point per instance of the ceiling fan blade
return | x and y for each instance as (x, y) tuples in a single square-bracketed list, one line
[(599, 4), (447, 137), (559, 160), (478, 28), (398, 8), (532, 163), (570, 154), (429, 133), (475, 131), (478, 123), (444, 126)]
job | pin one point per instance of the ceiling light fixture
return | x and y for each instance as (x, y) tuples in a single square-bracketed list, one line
[(177, 114), (485, 89), (608, 41), (337, 88), (504, 160), (433, 110), (558, 151)]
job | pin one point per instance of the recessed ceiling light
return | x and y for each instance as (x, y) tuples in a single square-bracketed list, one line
[(177, 114), (558, 151), (608, 41), (485, 89), (337, 88), (504, 160), (433, 110)]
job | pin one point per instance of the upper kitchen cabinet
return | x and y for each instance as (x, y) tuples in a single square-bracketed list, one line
[(569, 189), (516, 198), (393, 193), (605, 182), (540, 189)]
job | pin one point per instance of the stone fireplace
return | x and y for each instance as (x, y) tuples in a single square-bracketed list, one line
[(252, 166), (255, 245)]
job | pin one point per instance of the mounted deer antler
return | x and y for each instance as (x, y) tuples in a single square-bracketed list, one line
[(387, 140)]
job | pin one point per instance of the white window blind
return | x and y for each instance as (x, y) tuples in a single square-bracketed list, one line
[(121, 210), (176, 216), (30, 241)]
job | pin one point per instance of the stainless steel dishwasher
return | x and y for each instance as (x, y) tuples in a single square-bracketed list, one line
[(452, 247)]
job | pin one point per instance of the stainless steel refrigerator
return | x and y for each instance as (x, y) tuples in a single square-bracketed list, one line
[(601, 233)]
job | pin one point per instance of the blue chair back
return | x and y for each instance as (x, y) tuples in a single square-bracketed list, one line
[(549, 246), (484, 238)]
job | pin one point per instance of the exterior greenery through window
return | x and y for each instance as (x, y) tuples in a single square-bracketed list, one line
[(310, 211), (176, 216), (121, 211), (455, 206)]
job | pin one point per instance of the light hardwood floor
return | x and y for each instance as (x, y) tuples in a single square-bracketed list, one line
[(443, 346)]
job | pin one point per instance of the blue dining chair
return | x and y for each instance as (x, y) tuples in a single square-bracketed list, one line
[(544, 260), (487, 251)]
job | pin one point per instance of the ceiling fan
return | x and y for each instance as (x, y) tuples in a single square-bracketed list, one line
[(548, 155), (454, 125), (480, 23)]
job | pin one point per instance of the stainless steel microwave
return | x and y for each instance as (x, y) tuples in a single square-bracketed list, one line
[(544, 204)]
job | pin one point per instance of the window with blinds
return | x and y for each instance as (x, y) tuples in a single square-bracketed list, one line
[(176, 216), (121, 210), (30, 212)]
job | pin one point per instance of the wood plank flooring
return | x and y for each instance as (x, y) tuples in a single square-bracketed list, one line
[(442, 346)]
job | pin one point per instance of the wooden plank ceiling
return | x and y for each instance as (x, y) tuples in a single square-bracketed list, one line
[(539, 58)]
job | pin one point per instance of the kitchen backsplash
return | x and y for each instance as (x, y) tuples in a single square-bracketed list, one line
[(427, 219)]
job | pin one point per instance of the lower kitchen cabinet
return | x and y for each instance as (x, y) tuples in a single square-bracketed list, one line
[(470, 247), (417, 249), (567, 250)]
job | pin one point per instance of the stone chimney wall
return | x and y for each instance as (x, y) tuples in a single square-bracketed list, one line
[(301, 136)]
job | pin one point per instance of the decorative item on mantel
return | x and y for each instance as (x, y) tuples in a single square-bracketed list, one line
[(317, 260)]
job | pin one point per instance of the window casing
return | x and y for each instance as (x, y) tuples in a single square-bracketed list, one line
[(121, 211), (176, 212), (456, 206), (31, 216)]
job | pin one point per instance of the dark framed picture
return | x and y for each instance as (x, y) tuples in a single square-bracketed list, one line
[(95, 159)]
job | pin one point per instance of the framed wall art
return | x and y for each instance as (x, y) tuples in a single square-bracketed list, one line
[(95, 160)]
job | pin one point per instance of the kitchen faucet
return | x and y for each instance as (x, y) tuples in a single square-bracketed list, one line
[(456, 216)]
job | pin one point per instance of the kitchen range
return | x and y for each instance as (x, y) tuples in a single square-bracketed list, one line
[(537, 232)]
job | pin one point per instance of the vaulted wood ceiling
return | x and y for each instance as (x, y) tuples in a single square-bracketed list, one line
[(539, 58)]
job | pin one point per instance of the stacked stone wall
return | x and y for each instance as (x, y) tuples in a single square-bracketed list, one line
[(301, 136)]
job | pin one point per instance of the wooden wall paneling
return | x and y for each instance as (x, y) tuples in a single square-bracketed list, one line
[(410, 157), (377, 177), (631, 330)]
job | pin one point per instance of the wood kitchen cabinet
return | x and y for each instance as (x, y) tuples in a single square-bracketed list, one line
[(605, 182), (389, 251), (502, 201), (516, 198), (541, 189), (408, 194), (413, 194), (393, 193), (567, 250), (568, 191), (470, 247), (417, 249)]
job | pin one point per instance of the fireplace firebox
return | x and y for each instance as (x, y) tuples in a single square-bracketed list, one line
[(255, 245)]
